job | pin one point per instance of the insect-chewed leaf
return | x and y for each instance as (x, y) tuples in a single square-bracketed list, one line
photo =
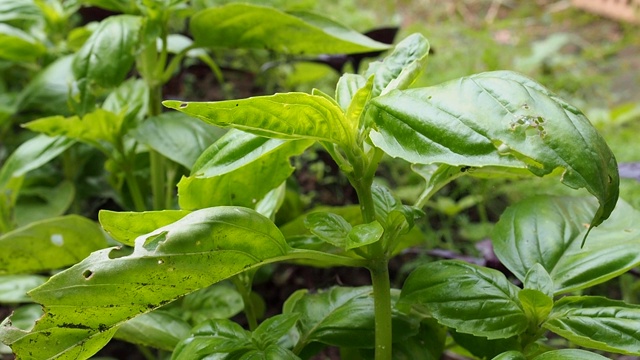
[(111, 286), (498, 119)]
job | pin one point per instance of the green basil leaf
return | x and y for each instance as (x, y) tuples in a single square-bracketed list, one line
[(364, 234), (427, 344), (17, 45), (468, 298), (344, 317), (131, 99), (400, 68), (107, 56), (273, 328), (549, 231), (220, 336), (49, 244), (243, 26), (225, 173), (100, 128), (168, 133), (538, 278), (281, 116), (19, 10), (114, 285), (158, 329), (125, 227), (597, 323), (347, 88), (270, 352), (32, 154), (13, 288), (497, 119), (329, 227), (536, 304), (569, 354), (219, 301), (510, 355), (39, 203), (48, 92)]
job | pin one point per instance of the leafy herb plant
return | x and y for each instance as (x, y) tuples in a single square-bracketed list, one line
[(490, 125)]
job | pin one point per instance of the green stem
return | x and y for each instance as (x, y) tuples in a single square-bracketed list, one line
[(157, 161), (134, 189), (243, 285), (382, 307)]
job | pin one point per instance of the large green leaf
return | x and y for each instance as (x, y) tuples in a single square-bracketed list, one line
[(497, 119), (16, 45), (343, 316), (168, 133), (113, 285), (549, 231), (597, 323), (226, 173), (246, 26), (282, 116), (468, 298), (49, 244), (19, 10), (32, 154), (107, 56)]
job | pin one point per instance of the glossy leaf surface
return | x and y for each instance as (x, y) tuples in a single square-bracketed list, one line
[(214, 336), (168, 133), (468, 298), (497, 119), (597, 323), (113, 285), (281, 116), (343, 316), (107, 56), (243, 26), (49, 90), (549, 231), (49, 244), (225, 173)]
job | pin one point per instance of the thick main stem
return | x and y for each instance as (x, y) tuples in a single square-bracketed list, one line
[(379, 270)]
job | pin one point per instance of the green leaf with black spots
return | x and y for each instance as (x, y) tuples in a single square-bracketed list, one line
[(49, 244), (597, 323), (497, 119), (112, 285), (243, 26), (225, 173), (288, 116), (549, 231), (466, 297)]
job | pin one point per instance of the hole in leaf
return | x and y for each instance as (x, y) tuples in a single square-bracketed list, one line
[(120, 251), (87, 274), (160, 262), (183, 105), (152, 242)]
